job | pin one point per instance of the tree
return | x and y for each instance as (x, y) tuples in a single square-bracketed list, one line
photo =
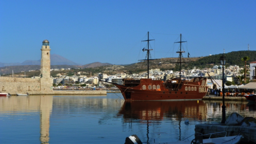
[(228, 83), (245, 59)]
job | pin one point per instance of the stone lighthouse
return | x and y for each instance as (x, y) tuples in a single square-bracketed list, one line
[(46, 81)]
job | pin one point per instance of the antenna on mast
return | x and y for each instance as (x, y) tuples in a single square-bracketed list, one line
[(148, 51)]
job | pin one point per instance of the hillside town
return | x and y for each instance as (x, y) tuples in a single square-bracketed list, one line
[(234, 76)]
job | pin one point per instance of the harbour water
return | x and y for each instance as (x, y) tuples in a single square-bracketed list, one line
[(106, 119)]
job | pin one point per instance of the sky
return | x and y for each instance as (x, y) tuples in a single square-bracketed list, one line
[(111, 31)]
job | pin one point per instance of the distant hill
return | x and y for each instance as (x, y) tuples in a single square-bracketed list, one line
[(8, 64), (59, 60), (55, 60), (26, 68), (31, 62), (232, 58), (95, 64), (163, 64)]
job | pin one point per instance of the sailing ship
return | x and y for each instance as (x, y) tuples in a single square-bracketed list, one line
[(173, 89)]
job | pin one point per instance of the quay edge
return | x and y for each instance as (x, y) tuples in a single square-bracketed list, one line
[(69, 92), (227, 98)]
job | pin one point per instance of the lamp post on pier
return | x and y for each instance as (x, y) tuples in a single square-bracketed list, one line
[(223, 62)]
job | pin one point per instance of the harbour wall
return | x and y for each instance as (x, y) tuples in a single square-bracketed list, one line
[(19, 85), (14, 86), (71, 92)]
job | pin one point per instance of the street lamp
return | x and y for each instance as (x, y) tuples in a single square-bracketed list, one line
[(223, 62)]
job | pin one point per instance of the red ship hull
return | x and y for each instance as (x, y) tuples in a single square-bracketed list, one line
[(148, 89)]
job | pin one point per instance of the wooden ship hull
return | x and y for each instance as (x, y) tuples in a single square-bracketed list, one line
[(173, 90)]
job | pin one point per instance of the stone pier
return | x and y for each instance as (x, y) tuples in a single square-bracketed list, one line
[(71, 92)]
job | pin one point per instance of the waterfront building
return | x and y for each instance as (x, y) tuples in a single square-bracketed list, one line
[(253, 70)]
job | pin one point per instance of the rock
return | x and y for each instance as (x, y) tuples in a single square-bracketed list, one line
[(234, 119), (249, 122)]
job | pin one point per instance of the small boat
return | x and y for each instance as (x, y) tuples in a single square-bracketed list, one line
[(5, 94), (219, 140), (226, 139), (251, 97), (18, 94)]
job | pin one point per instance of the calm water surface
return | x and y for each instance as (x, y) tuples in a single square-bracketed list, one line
[(105, 119)]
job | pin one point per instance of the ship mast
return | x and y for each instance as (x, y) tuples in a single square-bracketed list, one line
[(180, 52), (148, 52)]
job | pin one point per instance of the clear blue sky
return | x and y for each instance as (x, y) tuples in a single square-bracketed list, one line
[(86, 31)]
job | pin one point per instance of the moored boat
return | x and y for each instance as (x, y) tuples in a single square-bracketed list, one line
[(173, 89), (5, 94), (19, 94), (251, 97)]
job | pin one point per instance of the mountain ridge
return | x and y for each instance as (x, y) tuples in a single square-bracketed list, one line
[(55, 60), (232, 58)]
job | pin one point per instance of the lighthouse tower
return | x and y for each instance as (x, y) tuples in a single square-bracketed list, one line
[(46, 81)]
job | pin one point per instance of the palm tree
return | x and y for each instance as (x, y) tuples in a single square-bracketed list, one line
[(245, 59)]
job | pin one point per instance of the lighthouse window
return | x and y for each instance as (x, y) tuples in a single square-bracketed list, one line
[(47, 53)]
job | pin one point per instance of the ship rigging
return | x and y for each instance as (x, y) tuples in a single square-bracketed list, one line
[(174, 89)]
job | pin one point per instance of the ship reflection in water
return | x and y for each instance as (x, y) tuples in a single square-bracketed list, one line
[(157, 110), (154, 113), (100, 119), (182, 115)]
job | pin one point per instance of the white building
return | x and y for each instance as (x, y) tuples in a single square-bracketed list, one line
[(253, 70)]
